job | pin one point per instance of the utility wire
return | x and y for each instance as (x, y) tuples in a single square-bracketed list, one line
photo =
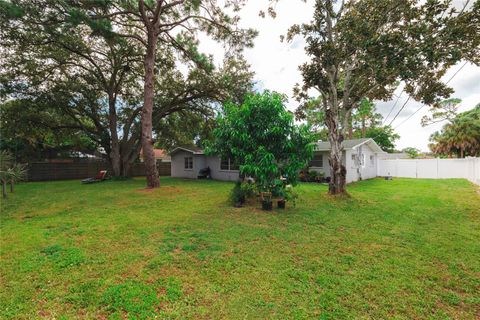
[(422, 106), (398, 98)]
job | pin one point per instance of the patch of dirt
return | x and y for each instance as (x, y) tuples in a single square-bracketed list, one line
[(162, 191)]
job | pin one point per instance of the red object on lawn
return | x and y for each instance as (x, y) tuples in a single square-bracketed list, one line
[(101, 176)]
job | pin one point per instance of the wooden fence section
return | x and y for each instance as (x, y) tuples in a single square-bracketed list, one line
[(46, 171)]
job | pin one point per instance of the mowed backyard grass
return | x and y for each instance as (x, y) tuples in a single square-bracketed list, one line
[(403, 249)]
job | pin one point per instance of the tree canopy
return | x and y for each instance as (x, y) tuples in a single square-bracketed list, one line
[(362, 49), (87, 60), (460, 137)]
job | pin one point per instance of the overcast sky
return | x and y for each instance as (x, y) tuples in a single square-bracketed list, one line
[(276, 68)]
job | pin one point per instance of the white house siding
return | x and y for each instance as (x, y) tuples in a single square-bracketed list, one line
[(369, 169), (326, 170), (200, 162), (217, 173), (178, 165)]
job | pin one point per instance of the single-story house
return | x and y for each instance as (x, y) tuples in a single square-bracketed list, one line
[(188, 161), (360, 157)]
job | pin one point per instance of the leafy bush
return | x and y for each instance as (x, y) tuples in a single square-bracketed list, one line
[(262, 137), (312, 176), (241, 191)]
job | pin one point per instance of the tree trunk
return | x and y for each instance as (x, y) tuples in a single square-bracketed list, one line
[(12, 182), (350, 126), (339, 172), (153, 181), (461, 153), (115, 145), (364, 132), (4, 188)]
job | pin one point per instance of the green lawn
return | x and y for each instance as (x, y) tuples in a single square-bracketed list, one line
[(403, 249)]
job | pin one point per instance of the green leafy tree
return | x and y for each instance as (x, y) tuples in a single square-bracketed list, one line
[(173, 25), (84, 58), (384, 136), (260, 135), (412, 152), (445, 110), (36, 130), (362, 49), (460, 137), (365, 123)]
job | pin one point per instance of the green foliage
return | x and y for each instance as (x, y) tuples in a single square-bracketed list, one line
[(384, 136), (242, 191), (445, 110), (412, 152), (36, 129), (460, 137), (261, 136), (362, 49)]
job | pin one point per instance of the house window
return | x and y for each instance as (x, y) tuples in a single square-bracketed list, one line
[(228, 165), (317, 161), (372, 161), (188, 162)]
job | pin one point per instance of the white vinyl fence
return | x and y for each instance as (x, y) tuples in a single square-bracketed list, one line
[(468, 168)]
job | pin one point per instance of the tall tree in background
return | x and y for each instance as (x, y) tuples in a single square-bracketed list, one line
[(361, 49), (364, 122), (446, 110), (174, 24), (460, 137), (84, 57)]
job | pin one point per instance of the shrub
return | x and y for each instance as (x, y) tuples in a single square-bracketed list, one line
[(241, 191)]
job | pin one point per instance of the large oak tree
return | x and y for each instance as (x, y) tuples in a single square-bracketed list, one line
[(361, 49)]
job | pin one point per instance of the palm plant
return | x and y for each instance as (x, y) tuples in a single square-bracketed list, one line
[(10, 172), (461, 137)]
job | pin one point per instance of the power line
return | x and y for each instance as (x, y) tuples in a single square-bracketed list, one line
[(398, 98), (421, 107), (399, 111)]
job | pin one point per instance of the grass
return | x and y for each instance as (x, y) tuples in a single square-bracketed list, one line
[(401, 249)]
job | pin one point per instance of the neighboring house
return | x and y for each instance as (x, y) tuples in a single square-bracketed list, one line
[(160, 154), (188, 161), (360, 157)]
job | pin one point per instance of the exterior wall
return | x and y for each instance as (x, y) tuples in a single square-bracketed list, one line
[(326, 166), (356, 171), (468, 168), (217, 173), (178, 165), (200, 162), (352, 168), (368, 170)]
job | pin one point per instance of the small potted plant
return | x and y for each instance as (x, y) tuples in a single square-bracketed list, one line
[(282, 199), (267, 201), (320, 177), (290, 195), (312, 176), (237, 196)]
